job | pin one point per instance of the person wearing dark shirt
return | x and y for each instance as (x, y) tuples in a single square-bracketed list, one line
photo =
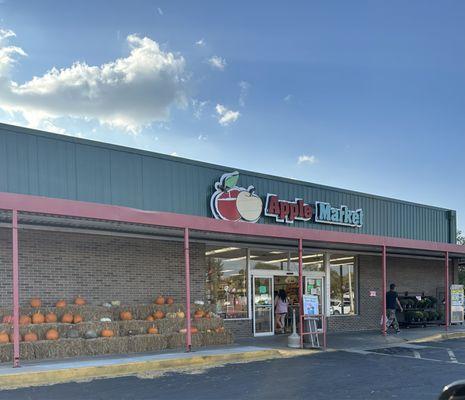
[(392, 301)]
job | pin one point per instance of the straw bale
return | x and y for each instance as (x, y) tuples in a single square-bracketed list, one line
[(61, 348), (148, 342)]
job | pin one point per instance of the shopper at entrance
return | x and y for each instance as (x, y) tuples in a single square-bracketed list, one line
[(281, 304), (392, 301)]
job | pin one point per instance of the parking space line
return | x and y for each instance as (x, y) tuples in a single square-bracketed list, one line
[(452, 356), (416, 354)]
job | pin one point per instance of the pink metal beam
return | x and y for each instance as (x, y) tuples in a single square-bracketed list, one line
[(384, 290), (446, 291), (80, 209), (15, 290), (188, 291), (301, 292)]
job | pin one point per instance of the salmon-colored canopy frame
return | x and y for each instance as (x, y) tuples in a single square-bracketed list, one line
[(80, 209)]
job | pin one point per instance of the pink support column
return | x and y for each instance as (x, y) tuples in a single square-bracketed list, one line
[(384, 289), (188, 290), (301, 306), (446, 291), (15, 290)]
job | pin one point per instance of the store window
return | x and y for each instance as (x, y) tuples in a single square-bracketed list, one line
[(343, 285), (311, 261), (270, 260), (226, 283)]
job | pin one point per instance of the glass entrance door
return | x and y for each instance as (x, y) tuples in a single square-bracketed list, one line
[(263, 306)]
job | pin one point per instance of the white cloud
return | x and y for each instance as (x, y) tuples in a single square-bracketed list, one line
[(288, 98), (127, 93), (8, 54), (306, 159), (217, 62), (244, 86), (198, 107), (225, 116), (160, 11), (202, 137), (200, 43), (174, 154)]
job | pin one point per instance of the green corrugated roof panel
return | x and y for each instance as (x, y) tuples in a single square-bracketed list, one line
[(46, 164)]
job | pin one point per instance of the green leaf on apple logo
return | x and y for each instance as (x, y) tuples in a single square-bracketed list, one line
[(231, 180)]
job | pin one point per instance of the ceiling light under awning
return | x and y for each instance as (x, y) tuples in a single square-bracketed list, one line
[(218, 251)]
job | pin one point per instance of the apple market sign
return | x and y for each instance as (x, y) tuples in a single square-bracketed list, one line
[(234, 203)]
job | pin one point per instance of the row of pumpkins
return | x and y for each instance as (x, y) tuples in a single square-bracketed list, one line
[(52, 334), (36, 302)]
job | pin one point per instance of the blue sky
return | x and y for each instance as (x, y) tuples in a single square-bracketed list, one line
[(364, 95)]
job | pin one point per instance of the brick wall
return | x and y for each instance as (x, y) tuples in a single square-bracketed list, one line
[(57, 265), (409, 274)]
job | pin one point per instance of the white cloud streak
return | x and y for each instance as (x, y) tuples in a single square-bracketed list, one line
[(306, 159), (226, 116), (8, 54), (127, 93), (244, 86), (217, 62)]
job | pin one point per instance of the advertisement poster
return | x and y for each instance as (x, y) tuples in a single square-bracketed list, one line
[(310, 304)]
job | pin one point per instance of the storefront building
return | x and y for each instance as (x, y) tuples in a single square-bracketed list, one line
[(109, 222)]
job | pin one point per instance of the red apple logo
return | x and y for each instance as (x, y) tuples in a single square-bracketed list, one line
[(233, 203)]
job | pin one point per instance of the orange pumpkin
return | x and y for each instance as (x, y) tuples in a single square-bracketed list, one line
[(35, 302), (25, 320), (199, 314), (208, 315), (150, 318), (160, 300), (79, 301), (67, 318), (4, 338), (125, 315), (60, 304), (159, 314), (77, 319), (31, 337), (38, 318), (50, 318), (52, 334), (107, 333), (219, 329), (7, 319), (153, 330), (169, 300)]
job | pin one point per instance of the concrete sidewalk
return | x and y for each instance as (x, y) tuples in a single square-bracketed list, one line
[(59, 371), (34, 373), (373, 339), (367, 339)]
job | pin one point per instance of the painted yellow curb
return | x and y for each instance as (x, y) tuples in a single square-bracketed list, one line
[(38, 378), (439, 336)]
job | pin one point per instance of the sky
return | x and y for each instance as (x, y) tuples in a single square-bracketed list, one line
[(363, 95)]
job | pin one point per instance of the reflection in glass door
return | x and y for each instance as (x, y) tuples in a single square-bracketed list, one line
[(263, 306)]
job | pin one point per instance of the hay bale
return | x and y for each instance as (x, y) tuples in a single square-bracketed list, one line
[(114, 345), (26, 351), (61, 348), (6, 352), (144, 343)]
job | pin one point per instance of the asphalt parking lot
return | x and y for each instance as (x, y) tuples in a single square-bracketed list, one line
[(414, 372)]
